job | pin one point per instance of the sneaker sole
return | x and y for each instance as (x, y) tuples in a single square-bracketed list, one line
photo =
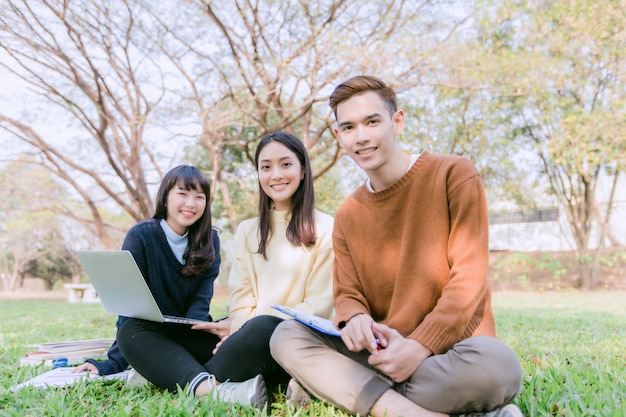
[(260, 398), (297, 395), (512, 411)]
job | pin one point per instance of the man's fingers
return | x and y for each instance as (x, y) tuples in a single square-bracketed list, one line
[(383, 333)]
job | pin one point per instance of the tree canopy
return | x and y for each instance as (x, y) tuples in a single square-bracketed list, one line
[(111, 95)]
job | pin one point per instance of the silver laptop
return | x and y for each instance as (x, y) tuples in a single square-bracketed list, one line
[(122, 288)]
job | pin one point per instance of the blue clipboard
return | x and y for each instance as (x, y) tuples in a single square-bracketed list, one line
[(320, 324)]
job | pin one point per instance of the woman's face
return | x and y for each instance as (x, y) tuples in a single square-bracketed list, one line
[(184, 208), (280, 173)]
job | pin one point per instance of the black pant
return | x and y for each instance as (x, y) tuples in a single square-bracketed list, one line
[(172, 355)]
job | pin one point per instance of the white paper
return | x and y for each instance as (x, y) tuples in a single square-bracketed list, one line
[(60, 377)]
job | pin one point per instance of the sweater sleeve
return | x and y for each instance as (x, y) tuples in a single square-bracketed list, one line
[(135, 244), (458, 310), (241, 299), (348, 294), (115, 362), (199, 307), (318, 297)]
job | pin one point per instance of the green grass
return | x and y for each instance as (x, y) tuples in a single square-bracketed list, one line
[(572, 346)]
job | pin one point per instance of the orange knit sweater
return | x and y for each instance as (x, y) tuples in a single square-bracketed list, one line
[(415, 255)]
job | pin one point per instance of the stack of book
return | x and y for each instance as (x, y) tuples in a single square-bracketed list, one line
[(58, 354)]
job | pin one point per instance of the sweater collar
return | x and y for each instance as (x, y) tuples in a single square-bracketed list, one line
[(362, 192), (280, 216), (177, 243)]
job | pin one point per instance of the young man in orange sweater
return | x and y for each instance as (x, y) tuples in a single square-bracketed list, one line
[(411, 294)]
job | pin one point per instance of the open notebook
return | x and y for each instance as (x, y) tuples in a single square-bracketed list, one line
[(121, 286)]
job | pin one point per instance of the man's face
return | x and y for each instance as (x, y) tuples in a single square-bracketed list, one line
[(367, 131)]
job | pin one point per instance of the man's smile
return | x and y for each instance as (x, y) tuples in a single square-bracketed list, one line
[(366, 151)]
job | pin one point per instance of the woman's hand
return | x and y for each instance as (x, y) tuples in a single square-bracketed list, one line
[(220, 328), (87, 366), (218, 345)]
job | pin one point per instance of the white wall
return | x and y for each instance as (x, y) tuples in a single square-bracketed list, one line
[(553, 235)]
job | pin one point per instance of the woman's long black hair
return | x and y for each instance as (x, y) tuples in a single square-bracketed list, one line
[(301, 228), (200, 252)]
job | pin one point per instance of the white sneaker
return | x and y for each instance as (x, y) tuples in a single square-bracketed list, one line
[(510, 410), (135, 379), (296, 394), (248, 393)]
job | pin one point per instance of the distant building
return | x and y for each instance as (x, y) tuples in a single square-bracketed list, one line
[(544, 229)]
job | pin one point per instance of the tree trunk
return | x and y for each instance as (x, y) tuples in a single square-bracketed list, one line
[(586, 261), (228, 205), (16, 281)]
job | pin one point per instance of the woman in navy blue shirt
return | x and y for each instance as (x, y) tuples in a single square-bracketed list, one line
[(178, 253)]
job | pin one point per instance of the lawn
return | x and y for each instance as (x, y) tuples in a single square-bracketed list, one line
[(572, 346)]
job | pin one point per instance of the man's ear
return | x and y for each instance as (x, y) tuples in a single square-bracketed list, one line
[(398, 122), (336, 131)]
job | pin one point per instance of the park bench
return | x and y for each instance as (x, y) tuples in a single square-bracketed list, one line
[(81, 293)]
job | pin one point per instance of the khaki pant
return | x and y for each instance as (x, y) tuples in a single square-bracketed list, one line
[(478, 374)]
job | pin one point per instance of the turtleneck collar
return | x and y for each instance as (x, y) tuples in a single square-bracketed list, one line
[(177, 243)]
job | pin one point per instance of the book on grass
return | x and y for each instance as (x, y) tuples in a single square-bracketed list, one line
[(74, 345), (73, 357), (315, 322), (61, 377)]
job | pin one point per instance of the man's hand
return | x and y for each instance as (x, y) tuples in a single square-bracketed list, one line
[(398, 356), (358, 334), (220, 328), (87, 366)]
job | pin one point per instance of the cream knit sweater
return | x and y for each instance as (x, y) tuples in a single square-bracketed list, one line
[(297, 277)]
